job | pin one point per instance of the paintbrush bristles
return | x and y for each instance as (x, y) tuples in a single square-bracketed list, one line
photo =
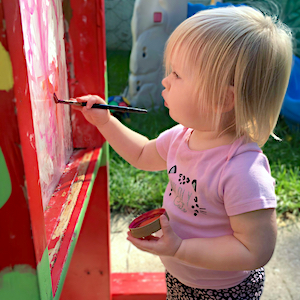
[(55, 98)]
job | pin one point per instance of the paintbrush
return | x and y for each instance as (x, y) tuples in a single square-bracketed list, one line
[(102, 106)]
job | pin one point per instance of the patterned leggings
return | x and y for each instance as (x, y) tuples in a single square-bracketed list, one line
[(249, 289)]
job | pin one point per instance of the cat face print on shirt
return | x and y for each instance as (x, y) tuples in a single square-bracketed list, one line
[(183, 192)]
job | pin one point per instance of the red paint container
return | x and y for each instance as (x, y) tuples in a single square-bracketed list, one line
[(147, 223)]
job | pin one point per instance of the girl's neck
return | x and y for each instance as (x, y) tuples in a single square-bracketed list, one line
[(204, 140)]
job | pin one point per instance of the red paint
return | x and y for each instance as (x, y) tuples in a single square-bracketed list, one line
[(25, 129), (3, 39), (61, 193), (148, 221), (68, 234), (17, 239), (88, 277), (147, 218), (86, 58), (138, 286)]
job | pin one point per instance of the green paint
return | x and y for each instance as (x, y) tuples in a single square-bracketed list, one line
[(5, 182), (105, 155), (44, 277), (22, 282), (106, 82), (105, 147), (19, 282)]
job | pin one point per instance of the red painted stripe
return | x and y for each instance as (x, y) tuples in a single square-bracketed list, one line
[(142, 286)]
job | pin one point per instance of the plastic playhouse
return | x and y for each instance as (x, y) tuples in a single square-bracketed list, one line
[(152, 23)]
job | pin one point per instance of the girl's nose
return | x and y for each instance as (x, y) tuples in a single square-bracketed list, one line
[(165, 82)]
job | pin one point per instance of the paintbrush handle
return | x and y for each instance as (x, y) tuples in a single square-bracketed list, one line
[(102, 106), (118, 108)]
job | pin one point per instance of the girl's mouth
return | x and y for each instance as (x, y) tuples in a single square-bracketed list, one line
[(165, 102)]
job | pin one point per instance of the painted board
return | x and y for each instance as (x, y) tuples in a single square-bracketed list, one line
[(43, 33)]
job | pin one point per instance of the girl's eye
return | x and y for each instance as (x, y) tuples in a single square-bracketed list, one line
[(175, 74)]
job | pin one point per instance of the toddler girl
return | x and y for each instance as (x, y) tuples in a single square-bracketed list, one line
[(227, 70)]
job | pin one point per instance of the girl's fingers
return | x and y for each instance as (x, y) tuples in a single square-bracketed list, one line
[(87, 98), (165, 225), (90, 100)]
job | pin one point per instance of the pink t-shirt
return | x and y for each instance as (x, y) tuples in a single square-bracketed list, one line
[(204, 189)]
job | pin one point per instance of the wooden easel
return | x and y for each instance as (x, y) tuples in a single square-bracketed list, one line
[(62, 251)]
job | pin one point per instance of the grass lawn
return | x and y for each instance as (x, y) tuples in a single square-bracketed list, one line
[(135, 191)]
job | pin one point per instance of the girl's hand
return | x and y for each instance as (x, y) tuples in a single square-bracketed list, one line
[(167, 245), (97, 117)]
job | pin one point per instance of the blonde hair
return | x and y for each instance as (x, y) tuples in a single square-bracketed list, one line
[(239, 47)]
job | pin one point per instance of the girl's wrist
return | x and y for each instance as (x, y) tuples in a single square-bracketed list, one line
[(100, 126)]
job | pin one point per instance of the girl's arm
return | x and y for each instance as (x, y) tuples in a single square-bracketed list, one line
[(135, 148), (250, 247)]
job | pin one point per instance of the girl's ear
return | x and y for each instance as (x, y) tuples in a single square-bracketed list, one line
[(229, 101)]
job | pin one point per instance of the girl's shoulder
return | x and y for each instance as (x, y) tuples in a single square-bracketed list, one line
[(239, 147), (176, 131), (245, 160), (246, 183)]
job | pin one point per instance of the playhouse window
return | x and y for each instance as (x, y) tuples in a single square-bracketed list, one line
[(157, 17)]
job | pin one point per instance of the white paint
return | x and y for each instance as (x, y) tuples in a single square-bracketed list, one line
[(45, 57), (31, 139)]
